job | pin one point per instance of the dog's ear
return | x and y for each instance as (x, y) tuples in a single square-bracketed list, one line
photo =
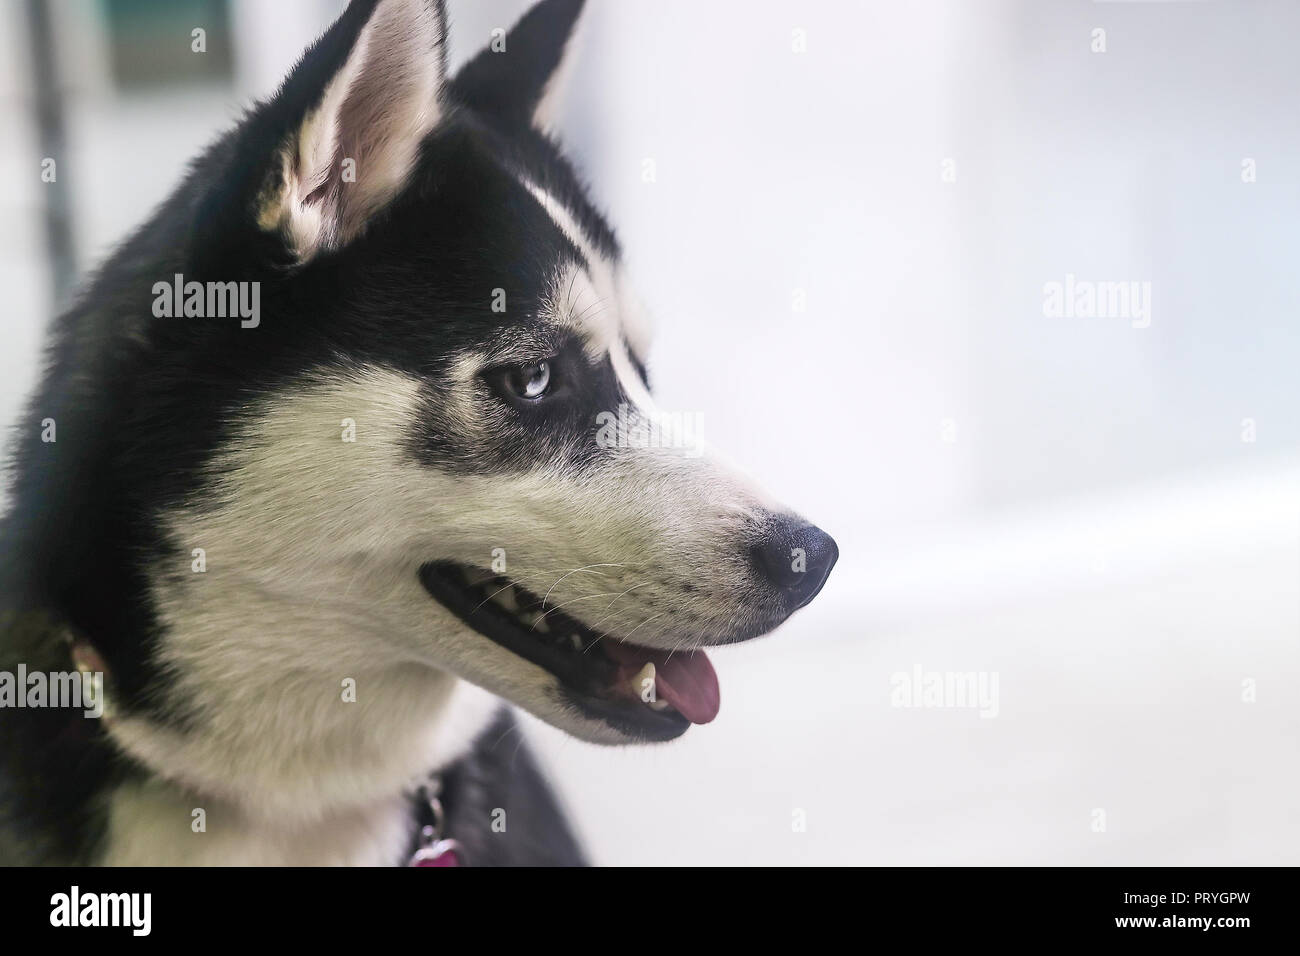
[(516, 77), (346, 127)]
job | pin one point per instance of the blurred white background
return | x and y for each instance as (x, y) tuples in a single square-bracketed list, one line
[(1106, 517)]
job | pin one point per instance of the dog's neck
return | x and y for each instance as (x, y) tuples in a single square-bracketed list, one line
[(288, 763), (152, 822)]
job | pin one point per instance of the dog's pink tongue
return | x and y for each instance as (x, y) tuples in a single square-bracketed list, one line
[(684, 679), (689, 684)]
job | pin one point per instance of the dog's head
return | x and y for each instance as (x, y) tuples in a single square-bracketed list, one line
[(437, 450)]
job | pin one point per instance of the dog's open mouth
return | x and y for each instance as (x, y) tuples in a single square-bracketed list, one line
[(642, 691)]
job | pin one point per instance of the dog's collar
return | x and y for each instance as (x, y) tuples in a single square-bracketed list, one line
[(434, 848)]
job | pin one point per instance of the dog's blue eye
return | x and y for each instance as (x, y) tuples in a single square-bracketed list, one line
[(530, 381)]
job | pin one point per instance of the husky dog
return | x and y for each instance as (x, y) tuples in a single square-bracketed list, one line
[(313, 535)]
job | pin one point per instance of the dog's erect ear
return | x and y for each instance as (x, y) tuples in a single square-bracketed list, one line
[(353, 114), (514, 78)]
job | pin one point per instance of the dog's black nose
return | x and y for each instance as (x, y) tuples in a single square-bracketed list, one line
[(797, 558)]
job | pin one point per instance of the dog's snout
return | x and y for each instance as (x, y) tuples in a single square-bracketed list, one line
[(796, 558)]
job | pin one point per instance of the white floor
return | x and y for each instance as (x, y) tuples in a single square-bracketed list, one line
[(1121, 631)]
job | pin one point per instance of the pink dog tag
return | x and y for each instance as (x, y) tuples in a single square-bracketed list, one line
[(441, 853)]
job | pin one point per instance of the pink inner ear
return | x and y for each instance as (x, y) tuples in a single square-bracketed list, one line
[(86, 658), (384, 101)]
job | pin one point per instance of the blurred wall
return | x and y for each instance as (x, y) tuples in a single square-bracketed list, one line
[(886, 186), (922, 379)]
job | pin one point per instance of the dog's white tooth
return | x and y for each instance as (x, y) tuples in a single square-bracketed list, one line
[(576, 641), (640, 686), (536, 621), (658, 705), (506, 598)]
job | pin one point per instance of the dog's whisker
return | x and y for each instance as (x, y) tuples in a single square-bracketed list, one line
[(643, 624), (514, 579), (598, 304), (575, 571), (682, 607), (600, 636), (585, 597), (596, 625)]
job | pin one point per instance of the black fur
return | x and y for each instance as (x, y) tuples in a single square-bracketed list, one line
[(141, 403), (501, 775), (509, 89)]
